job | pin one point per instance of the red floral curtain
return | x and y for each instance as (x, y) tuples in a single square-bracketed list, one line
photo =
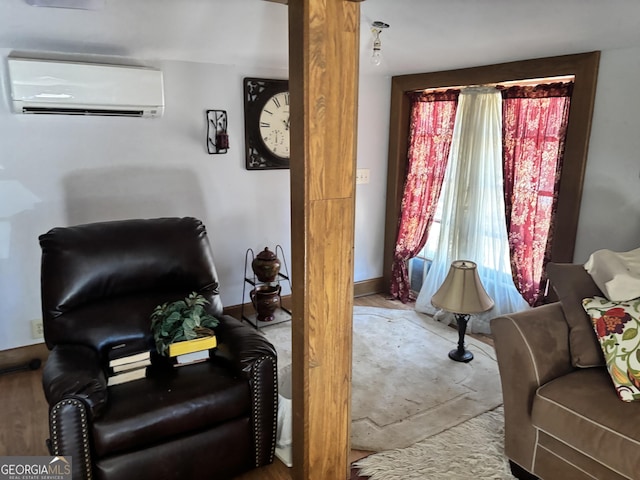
[(430, 133), (534, 127)]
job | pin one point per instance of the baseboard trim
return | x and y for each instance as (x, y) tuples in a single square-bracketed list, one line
[(234, 310), (23, 355), (368, 287), (360, 289)]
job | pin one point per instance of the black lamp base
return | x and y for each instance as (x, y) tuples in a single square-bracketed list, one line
[(460, 354)]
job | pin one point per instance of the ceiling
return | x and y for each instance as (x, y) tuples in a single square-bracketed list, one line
[(424, 35)]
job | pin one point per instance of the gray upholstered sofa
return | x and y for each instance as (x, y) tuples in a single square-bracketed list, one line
[(563, 419)]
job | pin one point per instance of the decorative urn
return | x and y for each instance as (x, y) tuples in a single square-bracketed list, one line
[(266, 266), (265, 299)]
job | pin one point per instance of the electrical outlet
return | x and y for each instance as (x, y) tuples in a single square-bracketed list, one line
[(37, 331), (362, 176)]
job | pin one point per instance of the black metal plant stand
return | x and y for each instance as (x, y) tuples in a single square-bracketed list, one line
[(460, 354), (282, 314)]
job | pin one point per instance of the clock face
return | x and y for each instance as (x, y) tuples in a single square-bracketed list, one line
[(274, 124), (266, 123)]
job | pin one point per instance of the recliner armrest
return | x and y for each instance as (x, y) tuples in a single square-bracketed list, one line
[(75, 372), (253, 357), (241, 344)]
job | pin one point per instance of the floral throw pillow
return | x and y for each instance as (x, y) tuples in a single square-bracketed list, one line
[(617, 326)]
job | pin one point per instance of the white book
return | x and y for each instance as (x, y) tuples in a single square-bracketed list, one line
[(127, 376), (137, 357), (193, 357), (130, 366)]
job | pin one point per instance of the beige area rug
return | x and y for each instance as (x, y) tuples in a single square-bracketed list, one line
[(472, 450), (405, 387)]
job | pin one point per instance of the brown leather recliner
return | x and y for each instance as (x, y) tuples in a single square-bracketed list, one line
[(100, 283)]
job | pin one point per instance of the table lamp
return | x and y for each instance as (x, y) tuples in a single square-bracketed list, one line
[(462, 294)]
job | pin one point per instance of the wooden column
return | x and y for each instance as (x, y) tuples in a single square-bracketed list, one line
[(323, 80)]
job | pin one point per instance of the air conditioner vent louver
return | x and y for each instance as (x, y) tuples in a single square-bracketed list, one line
[(73, 88), (83, 111)]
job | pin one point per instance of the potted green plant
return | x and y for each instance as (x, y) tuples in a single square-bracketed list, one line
[(183, 326)]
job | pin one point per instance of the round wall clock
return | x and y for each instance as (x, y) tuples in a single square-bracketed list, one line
[(266, 123)]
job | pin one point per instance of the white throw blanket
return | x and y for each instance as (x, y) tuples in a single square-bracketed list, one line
[(617, 274)]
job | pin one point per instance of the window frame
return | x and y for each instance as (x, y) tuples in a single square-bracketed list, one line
[(584, 68)]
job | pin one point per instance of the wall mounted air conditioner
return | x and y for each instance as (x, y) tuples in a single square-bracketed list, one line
[(74, 88)]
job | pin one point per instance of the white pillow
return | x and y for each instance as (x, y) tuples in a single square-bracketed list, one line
[(617, 274)]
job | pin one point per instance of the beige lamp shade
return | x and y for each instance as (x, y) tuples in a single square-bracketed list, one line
[(462, 292)]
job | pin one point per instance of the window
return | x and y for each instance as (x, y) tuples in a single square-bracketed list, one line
[(582, 66)]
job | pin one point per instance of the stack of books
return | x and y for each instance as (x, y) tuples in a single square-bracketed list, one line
[(128, 368)]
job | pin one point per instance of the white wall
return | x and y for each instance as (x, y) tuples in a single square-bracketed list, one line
[(65, 170), (77, 170), (373, 144), (57, 171), (610, 210)]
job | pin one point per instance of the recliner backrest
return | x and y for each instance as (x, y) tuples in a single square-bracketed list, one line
[(98, 268)]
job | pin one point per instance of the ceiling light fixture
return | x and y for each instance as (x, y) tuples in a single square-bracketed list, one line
[(376, 29)]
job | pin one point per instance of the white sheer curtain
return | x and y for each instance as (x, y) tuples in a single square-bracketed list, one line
[(473, 214)]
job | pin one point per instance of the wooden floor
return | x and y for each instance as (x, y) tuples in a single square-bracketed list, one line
[(23, 416)]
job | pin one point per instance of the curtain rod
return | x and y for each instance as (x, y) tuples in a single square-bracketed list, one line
[(509, 83)]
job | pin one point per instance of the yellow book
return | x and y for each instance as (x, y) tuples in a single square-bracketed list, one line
[(189, 346)]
